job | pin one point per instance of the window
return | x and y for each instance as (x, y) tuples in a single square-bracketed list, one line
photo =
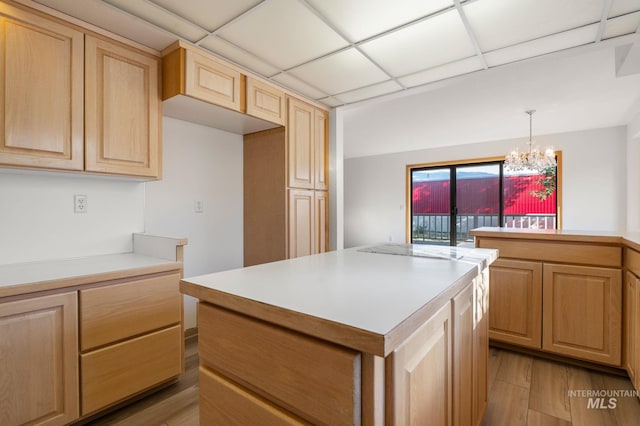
[(448, 200)]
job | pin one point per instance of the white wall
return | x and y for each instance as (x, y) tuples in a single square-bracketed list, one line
[(593, 182), (37, 221), (199, 163), (633, 175)]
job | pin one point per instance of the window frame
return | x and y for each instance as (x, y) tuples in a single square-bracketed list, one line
[(472, 162)]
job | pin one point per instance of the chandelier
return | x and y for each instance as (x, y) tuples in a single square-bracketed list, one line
[(534, 160)]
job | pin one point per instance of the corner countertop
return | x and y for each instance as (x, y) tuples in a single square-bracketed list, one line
[(630, 239), (151, 254), (368, 298)]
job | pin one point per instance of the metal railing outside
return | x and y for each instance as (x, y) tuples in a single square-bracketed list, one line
[(436, 228)]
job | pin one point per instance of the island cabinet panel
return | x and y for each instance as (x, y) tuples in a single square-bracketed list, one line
[(481, 346), (463, 360), (122, 107), (516, 302), (118, 371), (315, 380), (265, 101), (419, 375), (41, 103), (582, 314), (39, 368), (116, 312), (229, 403)]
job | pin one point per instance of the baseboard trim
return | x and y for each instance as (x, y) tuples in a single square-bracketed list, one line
[(559, 358), (191, 333)]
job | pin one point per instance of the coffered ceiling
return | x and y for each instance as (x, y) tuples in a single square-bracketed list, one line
[(340, 52)]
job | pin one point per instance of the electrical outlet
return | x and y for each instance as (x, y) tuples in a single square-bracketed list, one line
[(80, 203), (198, 207)]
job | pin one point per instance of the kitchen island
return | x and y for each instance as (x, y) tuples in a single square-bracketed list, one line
[(388, 334)]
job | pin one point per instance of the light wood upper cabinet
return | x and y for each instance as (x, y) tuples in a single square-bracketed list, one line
[(582, 312), (307, 146), (301, 147), (41, 103), (265, 101), (188, 72), (516, 302), (39, 353), (122, 105), (321, 149)]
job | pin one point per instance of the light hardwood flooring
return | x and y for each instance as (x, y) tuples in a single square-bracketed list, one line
[(523, 390), (530, 391)]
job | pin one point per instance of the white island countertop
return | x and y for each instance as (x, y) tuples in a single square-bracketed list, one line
[(368, 298)]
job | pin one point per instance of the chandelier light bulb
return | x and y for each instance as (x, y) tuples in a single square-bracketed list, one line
[(534, 160)]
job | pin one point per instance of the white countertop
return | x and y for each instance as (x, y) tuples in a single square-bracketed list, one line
[(372, 292), (152, 254)]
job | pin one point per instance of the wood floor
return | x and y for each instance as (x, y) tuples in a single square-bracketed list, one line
[(526, 390), (523, 390)]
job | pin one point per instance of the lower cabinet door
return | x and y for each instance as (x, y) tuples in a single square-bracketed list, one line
[(121, 370), (228, 403), (569, 328), (515, 297), (419, 374), (38, 360)]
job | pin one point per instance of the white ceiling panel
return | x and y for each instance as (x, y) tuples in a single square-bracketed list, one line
[(340, 72), (501, 23), (360, 19), (161, 17), (552, 43), (622, 25), (541, 54), (452, 69), (330, 101), (237, 55), (430, 43), (284, 32), (299, 86), (620, 7), (110, 18), (370, 92), (208, 14)]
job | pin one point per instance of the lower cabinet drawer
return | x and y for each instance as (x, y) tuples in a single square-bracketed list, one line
[(229, 403), (118, 371), (120, 311), (316, 380)]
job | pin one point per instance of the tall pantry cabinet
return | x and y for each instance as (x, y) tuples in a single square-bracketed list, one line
[(286, 207)]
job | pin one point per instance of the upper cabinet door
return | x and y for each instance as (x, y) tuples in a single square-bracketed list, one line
[(301, 144), (122, 105), (265, 101), (213, 82), (41, 103), (321, 149)]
